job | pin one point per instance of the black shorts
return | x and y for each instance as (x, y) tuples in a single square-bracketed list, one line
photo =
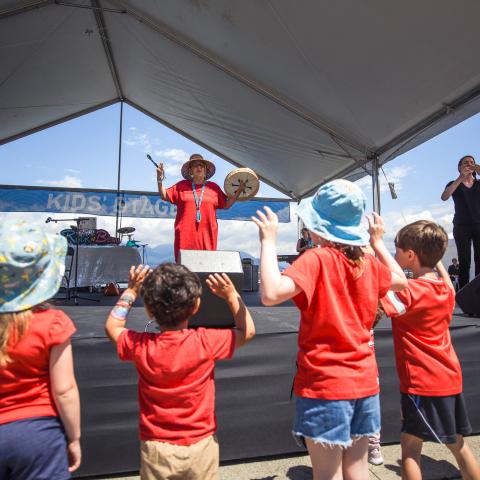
[(435, 419)]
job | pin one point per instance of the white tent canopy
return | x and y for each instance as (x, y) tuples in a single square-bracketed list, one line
[(301, 91)]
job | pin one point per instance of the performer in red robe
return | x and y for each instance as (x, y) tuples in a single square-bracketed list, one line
[(197, 200)]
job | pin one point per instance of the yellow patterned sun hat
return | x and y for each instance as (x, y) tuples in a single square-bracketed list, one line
[(32, 264)]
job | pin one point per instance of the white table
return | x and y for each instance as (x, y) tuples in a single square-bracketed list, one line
[(103, 264)]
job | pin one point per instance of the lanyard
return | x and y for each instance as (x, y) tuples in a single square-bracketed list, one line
[(198, 201)]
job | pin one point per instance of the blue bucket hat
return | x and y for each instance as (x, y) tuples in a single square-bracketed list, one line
[(32, 264), (335, 213)]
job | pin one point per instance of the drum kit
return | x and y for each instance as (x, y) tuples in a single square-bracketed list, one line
[(128, 231)]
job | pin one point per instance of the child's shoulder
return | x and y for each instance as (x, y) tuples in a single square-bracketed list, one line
[(425, 292)]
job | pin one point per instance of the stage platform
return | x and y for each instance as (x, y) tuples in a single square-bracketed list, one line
[(254, 408)]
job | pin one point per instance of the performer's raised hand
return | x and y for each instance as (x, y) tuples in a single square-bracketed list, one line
[(222, 286), (136, 277), (376, 228), (267, 224), (466, 170), (160, 173), (241, 186)]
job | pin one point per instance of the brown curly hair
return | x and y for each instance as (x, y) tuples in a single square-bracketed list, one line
[(170, 293)]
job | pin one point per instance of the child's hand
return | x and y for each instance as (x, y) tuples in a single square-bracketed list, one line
[(222, 286), (137, 276), (74, 455), (376, 228), (267, 224)]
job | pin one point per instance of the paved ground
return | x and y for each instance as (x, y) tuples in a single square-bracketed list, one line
[(437, 464)]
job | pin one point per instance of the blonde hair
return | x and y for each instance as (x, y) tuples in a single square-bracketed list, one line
[(13, 327)]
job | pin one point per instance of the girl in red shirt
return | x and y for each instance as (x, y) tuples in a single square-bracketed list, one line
[(40, 406), (197, 201), (337, 289)]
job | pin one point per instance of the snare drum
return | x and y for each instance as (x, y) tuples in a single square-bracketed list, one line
[(247, 175)]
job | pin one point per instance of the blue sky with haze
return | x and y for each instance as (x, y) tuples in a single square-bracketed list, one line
[(84, 152)]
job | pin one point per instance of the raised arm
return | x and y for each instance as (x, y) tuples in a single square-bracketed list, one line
[(231, 200), (222, 286), (161, 188), (376, 228), (275, 288), (447, 193), (117, 318), (67, 399), (444, 275), (465, 173)]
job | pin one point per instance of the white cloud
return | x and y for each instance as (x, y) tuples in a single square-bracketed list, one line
[(138, 140), (71, 170), (67, 181), (394, 174), (176, 155), (236, 235), (439, 213), (173, 159)]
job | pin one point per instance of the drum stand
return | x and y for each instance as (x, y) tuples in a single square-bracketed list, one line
[(143, 245), (75, 297)]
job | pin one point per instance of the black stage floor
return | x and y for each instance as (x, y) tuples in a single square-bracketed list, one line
[(254, 409)]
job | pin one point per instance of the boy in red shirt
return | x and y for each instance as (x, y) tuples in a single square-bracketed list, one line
[(176, 389), (433, 407)]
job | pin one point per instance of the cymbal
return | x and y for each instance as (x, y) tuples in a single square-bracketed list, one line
[(126, 230)]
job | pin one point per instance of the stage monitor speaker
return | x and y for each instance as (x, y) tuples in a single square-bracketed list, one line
[(214, 311), (468, 297)]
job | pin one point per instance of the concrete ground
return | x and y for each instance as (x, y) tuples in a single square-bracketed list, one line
[(437, 464)]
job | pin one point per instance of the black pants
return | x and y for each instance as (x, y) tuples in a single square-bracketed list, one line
[(464, 236)]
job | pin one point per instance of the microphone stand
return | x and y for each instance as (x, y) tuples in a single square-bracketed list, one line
[(75, 295), (143, 245)]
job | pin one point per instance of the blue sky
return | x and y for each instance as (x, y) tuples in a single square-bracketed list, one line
[(84, 152)]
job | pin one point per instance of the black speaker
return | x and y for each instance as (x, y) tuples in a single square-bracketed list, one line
[(250, 276), (468, 297), (247, 277), (214, 311)]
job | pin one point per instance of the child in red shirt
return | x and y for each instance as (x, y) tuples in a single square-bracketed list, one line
[(337, 289), (176, 388), (433, 407), (40, 405)]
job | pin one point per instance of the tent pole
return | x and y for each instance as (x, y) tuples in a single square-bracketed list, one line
[(376, 185), (119, 167)]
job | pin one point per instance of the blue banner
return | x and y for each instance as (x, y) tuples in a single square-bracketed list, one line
[(128, 204)]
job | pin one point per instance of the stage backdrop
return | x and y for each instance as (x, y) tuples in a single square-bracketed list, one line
[(127, 203)]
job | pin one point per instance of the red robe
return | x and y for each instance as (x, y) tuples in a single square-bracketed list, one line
[(190, 235)]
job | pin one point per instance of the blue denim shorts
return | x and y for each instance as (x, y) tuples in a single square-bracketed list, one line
[(335, 422), (33, 449)]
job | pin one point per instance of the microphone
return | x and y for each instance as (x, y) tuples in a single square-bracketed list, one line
[(151, 159), (393, 193), (48, 220)]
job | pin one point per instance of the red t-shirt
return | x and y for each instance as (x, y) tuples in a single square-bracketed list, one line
[(338, 304), (190, 235), (176, 389), (25, 383), (426, 361)]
